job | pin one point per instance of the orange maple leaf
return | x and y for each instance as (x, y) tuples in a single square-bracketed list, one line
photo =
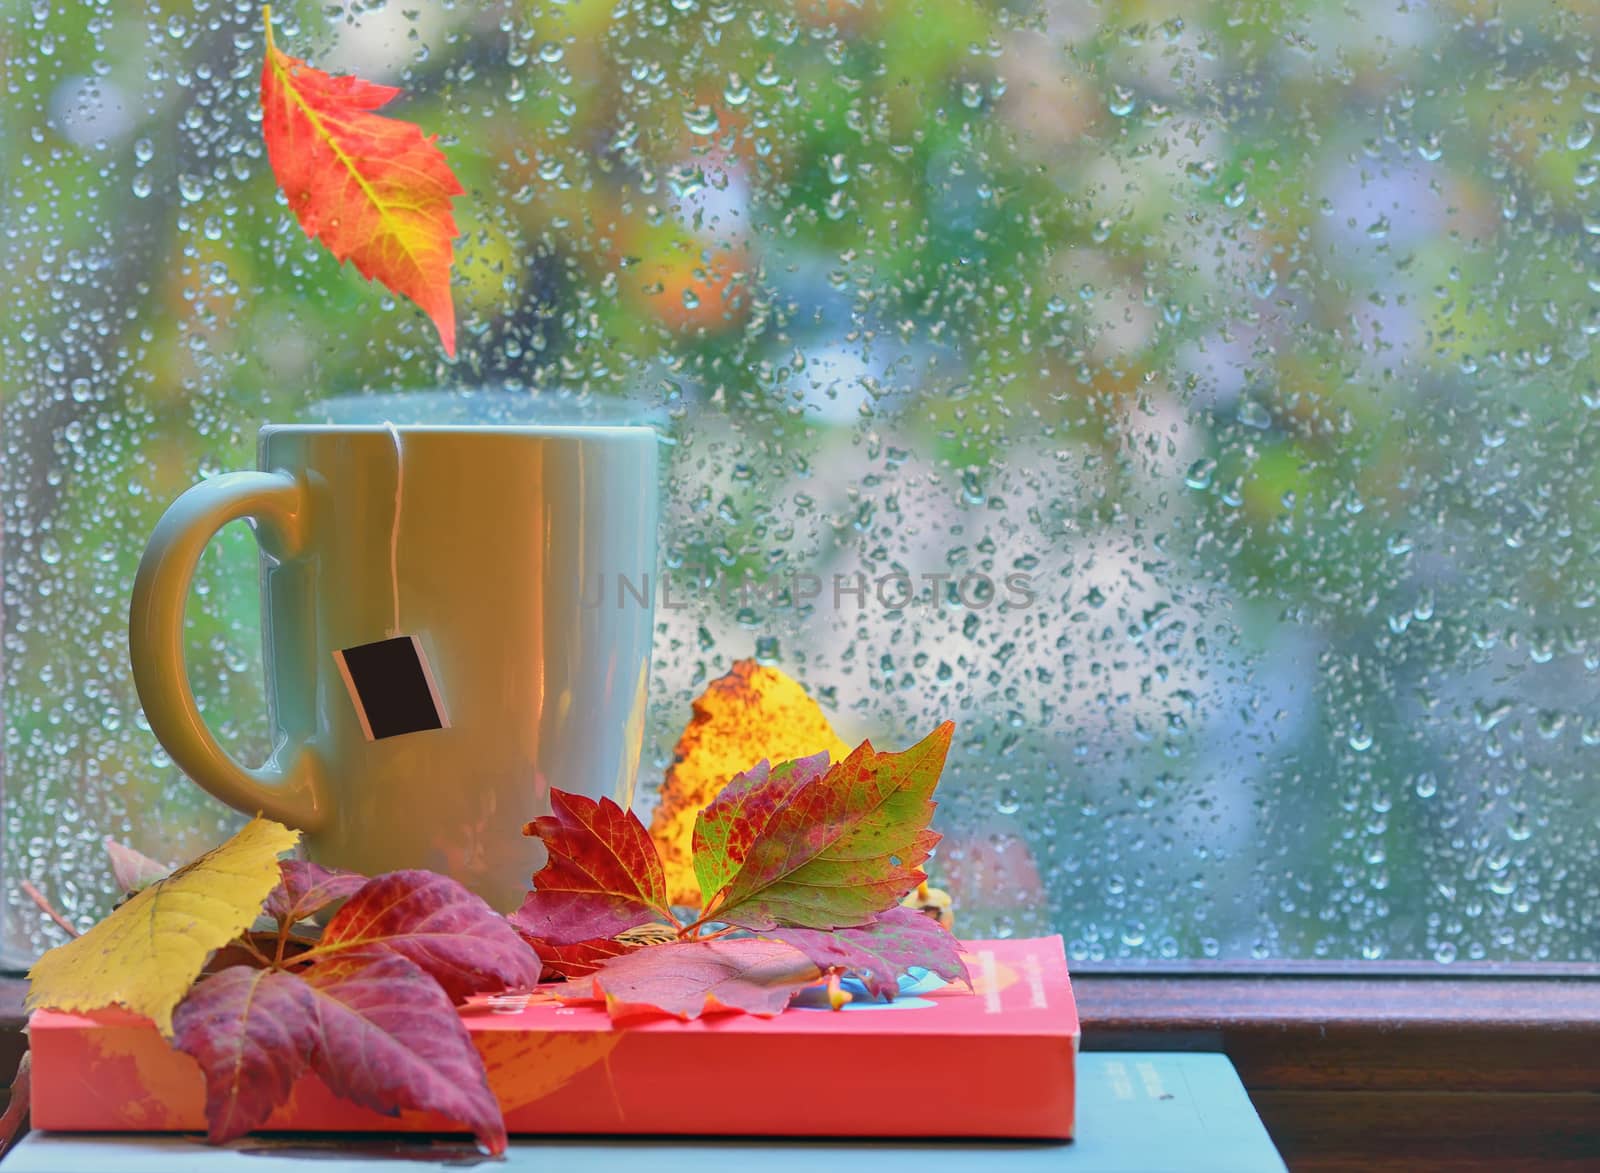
[(376, 191)]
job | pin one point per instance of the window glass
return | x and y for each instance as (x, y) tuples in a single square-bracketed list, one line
[(1197, 403)]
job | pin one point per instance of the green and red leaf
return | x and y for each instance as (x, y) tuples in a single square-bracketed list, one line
[(439, 926), (880, 952), (376, 191), (388, 1039), (839, 850), (603, 874), (740, 814), (686, 979)]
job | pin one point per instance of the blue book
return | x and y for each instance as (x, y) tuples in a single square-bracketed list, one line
[(1138, 1112)]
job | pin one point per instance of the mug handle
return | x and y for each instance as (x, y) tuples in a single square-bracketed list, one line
[(275, 505)]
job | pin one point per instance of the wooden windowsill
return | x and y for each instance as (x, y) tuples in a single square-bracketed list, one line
[(1365, 1067)]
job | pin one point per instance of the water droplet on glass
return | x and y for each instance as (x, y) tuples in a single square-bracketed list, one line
[(1487, 714), (701, 119), (1200, 473), (1253, 414)]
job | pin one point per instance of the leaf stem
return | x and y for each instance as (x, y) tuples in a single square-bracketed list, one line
[(707, 915), (310, 954), (49, 909), (693, 931), (251, 948), (687, 931)]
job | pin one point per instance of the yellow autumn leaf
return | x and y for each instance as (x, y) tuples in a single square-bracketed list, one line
[(146, 954), (753, 712)]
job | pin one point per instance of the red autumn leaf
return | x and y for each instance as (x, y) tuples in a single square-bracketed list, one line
[(880, 952), (252, 1032), (133, 870), (370, 1012), (579, 959), (432, 921), (688, 978), (251, 946), (387, 1038), (730, 824), (603, 874), (841, 849), (307, 888), (376, 191)]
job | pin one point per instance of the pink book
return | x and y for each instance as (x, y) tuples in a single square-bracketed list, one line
[(996, 1061)]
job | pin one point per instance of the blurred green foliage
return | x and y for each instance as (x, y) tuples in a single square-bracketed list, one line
[(1260, 334)]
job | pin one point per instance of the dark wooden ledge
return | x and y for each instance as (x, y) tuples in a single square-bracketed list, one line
[(1359, 1068), (1485, 1070)]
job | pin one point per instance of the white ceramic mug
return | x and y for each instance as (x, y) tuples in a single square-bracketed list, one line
[(475, 542)]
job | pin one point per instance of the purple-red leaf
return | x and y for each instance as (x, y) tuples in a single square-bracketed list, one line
[(880, 952), (688, 978), (603, 874), (580, 959), (841, 849), (388, 1039), (740, 814), (307, 888), (432, 921), (252, 1032), (19, 1103)]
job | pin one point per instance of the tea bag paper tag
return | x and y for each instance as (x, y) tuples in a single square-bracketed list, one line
[(392, 687)]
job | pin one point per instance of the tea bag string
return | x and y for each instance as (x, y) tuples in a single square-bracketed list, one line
[(394, 529)]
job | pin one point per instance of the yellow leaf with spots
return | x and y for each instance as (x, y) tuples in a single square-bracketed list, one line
[(753, 712), (146, 954)]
